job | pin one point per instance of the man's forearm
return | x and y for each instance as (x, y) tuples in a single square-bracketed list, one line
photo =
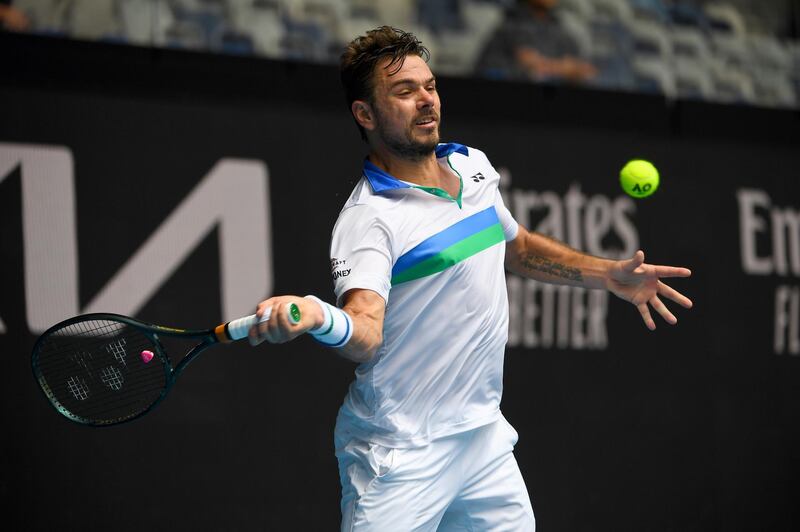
[(365, 340), (545, 259), (366, 310)]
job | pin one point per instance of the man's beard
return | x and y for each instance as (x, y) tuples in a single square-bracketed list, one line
[(407, 146)]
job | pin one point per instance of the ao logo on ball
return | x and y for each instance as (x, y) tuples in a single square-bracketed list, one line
[(639, 178)]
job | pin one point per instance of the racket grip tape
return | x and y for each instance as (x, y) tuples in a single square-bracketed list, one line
[(238, 328)]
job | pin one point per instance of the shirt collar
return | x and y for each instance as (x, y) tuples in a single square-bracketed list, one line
[(381, 181), (443, 150)]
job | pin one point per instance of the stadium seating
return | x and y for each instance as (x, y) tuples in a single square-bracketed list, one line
[(611, 53), (612, 10), (262, 22), (692, 80), (654, 75), (690, 58), (725, 18), (718, 52)]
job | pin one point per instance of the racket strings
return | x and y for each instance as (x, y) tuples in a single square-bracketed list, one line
[(101, 371), (82, 399)]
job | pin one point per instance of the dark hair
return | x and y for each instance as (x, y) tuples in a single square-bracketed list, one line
[(359, 58)]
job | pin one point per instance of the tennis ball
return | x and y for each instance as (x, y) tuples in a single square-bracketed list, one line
[(639, 178)]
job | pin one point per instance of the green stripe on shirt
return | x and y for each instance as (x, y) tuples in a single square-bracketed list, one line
[(452, 255)]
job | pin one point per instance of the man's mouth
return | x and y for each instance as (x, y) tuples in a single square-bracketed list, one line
[(428, 120)]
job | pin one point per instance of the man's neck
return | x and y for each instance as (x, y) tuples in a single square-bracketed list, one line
[(425, 172)]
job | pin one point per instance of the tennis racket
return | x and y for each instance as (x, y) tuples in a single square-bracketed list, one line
[(105, 369)]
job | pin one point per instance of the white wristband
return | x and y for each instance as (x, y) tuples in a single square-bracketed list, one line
[(337, 326)]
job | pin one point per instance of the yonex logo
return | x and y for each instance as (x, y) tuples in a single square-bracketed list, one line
[(478, 177), (341, 273)]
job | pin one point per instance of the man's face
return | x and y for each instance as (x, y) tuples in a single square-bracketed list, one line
[(407, 108)]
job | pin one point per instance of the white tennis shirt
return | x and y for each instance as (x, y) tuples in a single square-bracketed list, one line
[(437, 261)]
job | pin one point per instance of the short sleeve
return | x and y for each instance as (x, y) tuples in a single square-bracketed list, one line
[(510, 225), (361, 254)]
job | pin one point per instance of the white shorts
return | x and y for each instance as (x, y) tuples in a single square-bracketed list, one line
[(468, 481)]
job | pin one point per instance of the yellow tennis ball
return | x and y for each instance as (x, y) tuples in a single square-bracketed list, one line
[(639, 178)]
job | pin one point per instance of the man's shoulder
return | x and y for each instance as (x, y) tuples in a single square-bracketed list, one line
[(363, 204), (471, 156), (357, 195), (457, 149)]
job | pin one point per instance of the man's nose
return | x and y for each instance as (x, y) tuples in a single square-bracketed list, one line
[(426, 99)]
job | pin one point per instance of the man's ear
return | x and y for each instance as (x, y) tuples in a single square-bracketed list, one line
[(362, 112)]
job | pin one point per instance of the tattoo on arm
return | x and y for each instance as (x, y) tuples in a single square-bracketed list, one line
[(556, 269)]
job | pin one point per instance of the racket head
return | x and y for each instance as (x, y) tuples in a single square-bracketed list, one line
[(101, 369)]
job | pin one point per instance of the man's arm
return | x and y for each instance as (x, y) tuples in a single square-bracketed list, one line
[(13, 19), (365, 308), (568, 67), (545, 259)]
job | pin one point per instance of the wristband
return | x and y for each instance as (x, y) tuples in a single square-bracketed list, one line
[(336, 328)]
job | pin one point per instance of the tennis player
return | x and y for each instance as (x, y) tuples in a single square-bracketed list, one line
[(419, 254)]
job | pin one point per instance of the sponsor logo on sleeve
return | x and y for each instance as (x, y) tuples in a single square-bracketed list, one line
[(338, 268)]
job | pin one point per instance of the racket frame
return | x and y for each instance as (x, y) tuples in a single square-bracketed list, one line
[(207, 338)]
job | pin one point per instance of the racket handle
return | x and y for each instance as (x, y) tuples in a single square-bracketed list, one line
[(238, 329)]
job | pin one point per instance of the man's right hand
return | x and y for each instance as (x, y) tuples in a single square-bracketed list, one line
[(279, 328)]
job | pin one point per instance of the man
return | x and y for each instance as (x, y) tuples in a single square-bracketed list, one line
[(532, 44), (11, 18), (420, 439)]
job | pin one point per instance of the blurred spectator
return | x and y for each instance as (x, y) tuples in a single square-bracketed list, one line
[(11, 18), (440, 15), (80, 19), (532, 44)]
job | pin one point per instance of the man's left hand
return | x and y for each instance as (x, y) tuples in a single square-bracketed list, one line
[(640, 284)]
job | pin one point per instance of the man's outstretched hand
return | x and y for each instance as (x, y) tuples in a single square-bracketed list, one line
[(640, 284)]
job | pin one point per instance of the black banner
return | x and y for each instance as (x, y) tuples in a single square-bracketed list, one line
[(188, 188)]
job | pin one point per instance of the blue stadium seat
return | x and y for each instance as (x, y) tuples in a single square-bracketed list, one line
[(611, 53), (650, 39), (237, 44), (457, 51), (725, 18), (775, 89), (398, 13), (197, 25), (731, 84), (306, 41), (692, 79), (611, 10), (650, 10), (654, 76), (582, 8), (691, 56), (794, 50), (262, 22), (687, 15), (771, 69), (689, 43), (145, 22), (769, 53), (731, 48), (441, 16)]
